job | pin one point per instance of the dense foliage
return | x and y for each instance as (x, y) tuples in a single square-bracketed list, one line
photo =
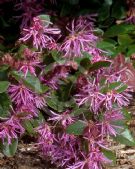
[(66, 78)]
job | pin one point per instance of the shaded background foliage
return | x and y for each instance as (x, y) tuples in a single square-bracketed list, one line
[(108, 12)]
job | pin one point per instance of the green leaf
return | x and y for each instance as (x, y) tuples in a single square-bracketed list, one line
[(108, 2), (56, 55), (118, 13), (87, 55), (5, 103), (65, 90), (45, 19), (104, 12), (31, 124), (98, 32), (121, 126), (30, 81), (3, 67), (125, 39), (4, 86), (85, 63), (55, 103), (127, 114), (117, 86), (106, 44), (121, 49), (28, 126), (21, 50), (119, 30), (10, 149), (125, 138), (131, 50), (98, 65), (122, 88), (76, 128), (110, 155), (114, 85), (85, 60), (34, 84), (77, 111)]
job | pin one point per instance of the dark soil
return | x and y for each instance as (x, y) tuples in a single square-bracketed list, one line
[(27, 157)]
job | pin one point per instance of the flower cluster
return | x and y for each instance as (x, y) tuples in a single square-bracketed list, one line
[(10, 129), (40, 34), (80, 38)]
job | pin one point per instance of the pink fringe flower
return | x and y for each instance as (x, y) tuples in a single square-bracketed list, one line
[(29, 66), (65, 150), (107, 126), (65, 118), (121, 99), (39, 33), (94, 160), (45, 139), (40, 101), (86, 21), (27, 111), (20, 95), (30, 63), (53, 77), (90, 94), (10, 129), (79, 39)]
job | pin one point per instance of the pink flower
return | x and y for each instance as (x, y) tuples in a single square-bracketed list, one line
[(66, 149), (40, 101), (20, 94), (65, 118), (78, 40), (45, 139), (39, 33), (107, 126), (52, 78), (10, 129), (29, 66), (52, 46), (90, 94), (97, 54), (124, 69), (78, 165), (86, 21), (99, 95), (96, 158), (112, 97), (93, 161), (31, 60), (28, 54), (27, 111)]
